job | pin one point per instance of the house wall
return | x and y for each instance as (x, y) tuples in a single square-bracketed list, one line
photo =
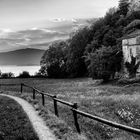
[(131, 47), (129, 51)]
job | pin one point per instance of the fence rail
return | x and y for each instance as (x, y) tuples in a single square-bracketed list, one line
[(75, 110)]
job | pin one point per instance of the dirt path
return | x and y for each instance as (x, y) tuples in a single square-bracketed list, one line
[(38, 124)]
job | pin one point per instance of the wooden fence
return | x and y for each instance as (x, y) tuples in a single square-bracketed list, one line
[(75, 110)]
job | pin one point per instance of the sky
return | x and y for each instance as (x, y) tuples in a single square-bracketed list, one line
[(23, 14), (37, 23)]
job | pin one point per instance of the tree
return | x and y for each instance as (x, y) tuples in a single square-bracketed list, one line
[(104, 62), (123, 7), (43, 70), (0, 73), (67, 59), (24, 74), (109, 38), (75, 61), (53, 62), (111, 17), (7, 75), (106, 31), (54, 70), (10, 74)]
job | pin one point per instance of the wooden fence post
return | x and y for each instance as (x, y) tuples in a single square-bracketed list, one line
[(33, 93), (21, 88), (43, 99), (75, 118), (55, 106)]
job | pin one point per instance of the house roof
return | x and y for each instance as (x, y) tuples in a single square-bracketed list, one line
[(132, 34)]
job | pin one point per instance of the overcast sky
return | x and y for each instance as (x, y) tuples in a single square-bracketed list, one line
[(20, 14)]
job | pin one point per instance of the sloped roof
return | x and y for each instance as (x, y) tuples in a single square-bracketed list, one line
[(132, 34)]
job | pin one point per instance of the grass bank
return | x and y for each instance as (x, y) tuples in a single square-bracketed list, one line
[(116, 103), (14, 124)]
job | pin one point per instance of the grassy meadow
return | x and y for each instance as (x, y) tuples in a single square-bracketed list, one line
[(14, 124), (117, 103)]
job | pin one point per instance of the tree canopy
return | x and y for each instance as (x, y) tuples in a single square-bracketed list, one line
[(95, 50), (54, 59)]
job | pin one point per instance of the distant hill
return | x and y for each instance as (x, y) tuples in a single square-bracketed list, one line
[(21, 57)]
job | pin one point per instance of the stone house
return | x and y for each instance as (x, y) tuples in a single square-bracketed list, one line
[(131, 47)]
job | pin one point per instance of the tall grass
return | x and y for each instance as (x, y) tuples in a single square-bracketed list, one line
[(114, 103)]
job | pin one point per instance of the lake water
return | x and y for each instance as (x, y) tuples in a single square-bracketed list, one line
[(19, 69)]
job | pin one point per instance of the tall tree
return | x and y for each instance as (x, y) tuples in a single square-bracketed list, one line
[(123, 7), (75, 61), (104, 62), (54, 59)]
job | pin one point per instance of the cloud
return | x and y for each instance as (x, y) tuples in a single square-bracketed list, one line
[(59, 20), (39, 37), (29, 38), (5, 32)]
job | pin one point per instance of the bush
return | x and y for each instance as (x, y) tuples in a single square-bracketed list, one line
[(132, 67), (125, 81), (104, 63), (24, 74), (39, 75), (53, 61), (7, 75)]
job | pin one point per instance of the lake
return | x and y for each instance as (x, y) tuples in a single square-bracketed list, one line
[(19, 69)]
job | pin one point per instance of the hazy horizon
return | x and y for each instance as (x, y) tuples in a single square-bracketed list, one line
[(16, 70)]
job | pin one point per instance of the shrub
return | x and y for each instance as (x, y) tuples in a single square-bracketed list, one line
[(132, 67), (7, 75), (125, 81), (53, 61), (24, 74), (104, 63), (39, 75)]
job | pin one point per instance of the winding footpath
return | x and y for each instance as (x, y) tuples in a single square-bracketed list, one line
[(37, 122)]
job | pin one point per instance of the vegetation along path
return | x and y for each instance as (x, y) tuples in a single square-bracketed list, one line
[(38, 124)]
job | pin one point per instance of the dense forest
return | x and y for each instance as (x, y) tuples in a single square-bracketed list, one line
[(96, 50)]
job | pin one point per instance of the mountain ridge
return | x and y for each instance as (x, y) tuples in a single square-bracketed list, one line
[(21, 57)]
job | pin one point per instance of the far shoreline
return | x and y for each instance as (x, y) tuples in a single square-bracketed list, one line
[(20, 65), (17, 69)]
